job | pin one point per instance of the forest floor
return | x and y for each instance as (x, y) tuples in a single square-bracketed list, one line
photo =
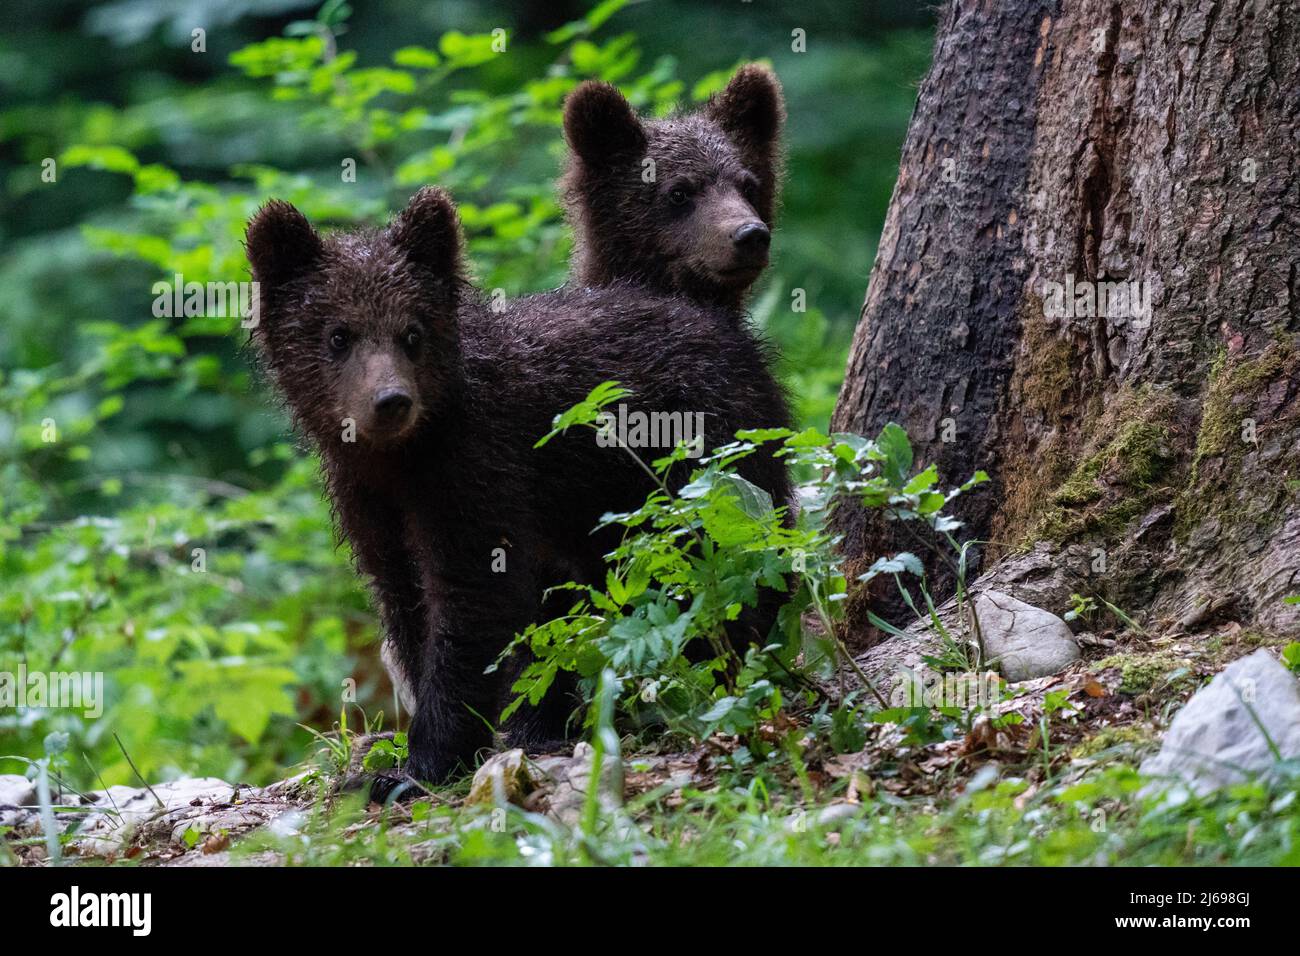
[(1048, 775)]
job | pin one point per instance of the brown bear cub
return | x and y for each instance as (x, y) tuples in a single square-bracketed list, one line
[(425, 405), (682, 205)]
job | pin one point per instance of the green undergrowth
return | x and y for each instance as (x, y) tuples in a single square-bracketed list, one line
[(762, 819)]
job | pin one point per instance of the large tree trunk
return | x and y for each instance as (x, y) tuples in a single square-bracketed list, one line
[(1087, 142)]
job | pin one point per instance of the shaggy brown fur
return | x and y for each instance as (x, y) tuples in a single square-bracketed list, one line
[(376, 331), (702, 223)]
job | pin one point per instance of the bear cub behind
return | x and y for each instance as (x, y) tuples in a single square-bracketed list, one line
[(683, 205), (425, 405)]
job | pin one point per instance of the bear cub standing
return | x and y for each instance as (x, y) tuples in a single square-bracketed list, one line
[(425, 405), (682, 205)]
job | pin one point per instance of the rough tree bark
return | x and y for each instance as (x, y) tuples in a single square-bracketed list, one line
[(1151, 142)]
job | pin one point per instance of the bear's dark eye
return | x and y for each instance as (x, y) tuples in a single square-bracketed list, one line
[(749, 189), (412, 338), (678, 195), (339, 340)]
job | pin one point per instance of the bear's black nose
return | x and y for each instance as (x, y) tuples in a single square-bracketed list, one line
[(752, 237), (392, 404)]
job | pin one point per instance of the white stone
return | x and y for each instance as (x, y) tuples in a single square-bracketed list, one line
[(1021, 640), (16, 791), (1216, 739)]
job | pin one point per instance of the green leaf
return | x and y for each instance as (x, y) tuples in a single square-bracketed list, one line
[(922, 481), (736, 512), (754, 501), (587, 411), (902, 562), (466, 50), (593, 20), (113, 159), (760, 435), (808, 438), (931, 502), (381, 756), (897, 451)]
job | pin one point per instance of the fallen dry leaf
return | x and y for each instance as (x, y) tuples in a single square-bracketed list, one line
[(1093, 688), (216, 842)]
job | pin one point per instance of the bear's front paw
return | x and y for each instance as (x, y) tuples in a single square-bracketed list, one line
[(381, 786), (394, 786)]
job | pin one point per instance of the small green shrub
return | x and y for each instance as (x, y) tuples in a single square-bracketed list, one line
[(694, 557)]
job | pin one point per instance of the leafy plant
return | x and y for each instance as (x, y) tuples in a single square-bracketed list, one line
[(1086, 609), (1081, 608), (694, 558), (387, 753)]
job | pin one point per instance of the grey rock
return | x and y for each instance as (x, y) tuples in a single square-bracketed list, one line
[(829, 817), (1022, 640), (1043, 577), (121, 810), (16, 791), (21, 823), (178, 826), (837, 813), (571, 778), (1215, 740)]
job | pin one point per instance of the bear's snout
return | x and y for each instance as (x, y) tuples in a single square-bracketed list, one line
[(381, 387), (735, 239), (392, 406), (752, 238)]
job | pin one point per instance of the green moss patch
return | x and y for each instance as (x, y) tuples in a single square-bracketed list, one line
[(1135, 458), (1120, 477), (1216, 486), (1142, 673), (1131, 735), (1234, 385)]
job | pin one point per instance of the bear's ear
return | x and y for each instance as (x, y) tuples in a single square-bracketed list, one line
[(281, 243), (751, 110), (601, 125), (428, 232)]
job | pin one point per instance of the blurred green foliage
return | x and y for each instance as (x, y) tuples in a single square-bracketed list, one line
[(155, 524)]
